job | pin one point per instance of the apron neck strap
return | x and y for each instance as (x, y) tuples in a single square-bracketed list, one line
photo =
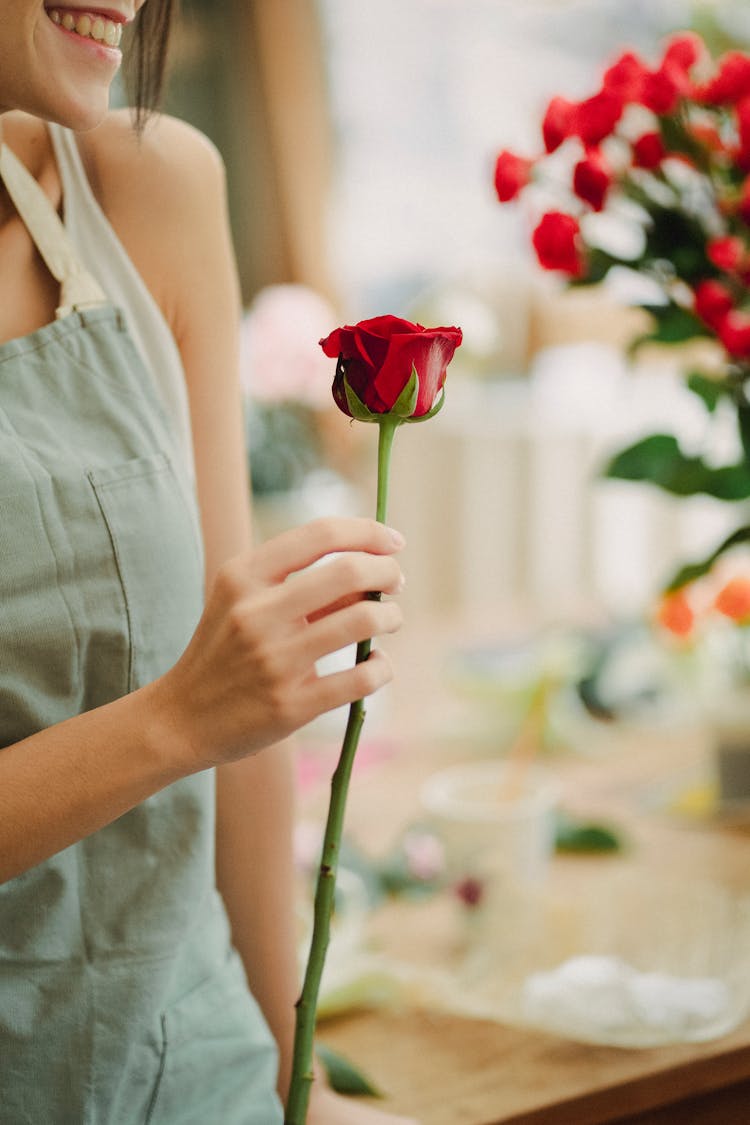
[(77, 287)]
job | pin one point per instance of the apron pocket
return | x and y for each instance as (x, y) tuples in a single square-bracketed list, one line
[(40, 661), (156, 545), (220, 1060)]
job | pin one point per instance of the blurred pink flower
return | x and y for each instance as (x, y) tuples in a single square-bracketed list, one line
[(425, 855), (316, 763), (280, 360)]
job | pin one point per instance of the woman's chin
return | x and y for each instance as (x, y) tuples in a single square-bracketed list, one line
[(78, 111)]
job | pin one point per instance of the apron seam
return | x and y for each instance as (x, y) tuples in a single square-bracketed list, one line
[(123, 586), (57, 330), (160, 1072)]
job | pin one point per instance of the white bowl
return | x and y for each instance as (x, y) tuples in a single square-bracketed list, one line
[(636, 961)]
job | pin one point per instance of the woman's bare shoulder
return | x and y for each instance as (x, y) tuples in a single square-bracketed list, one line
[(168, 154), (159, 191)]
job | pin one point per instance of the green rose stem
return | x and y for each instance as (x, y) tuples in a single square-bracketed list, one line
[(302, 1074)]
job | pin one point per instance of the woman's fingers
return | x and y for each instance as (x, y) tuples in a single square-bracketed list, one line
[(248, 675), (340, 579), (348, 626), (326, 693), (297, 549)]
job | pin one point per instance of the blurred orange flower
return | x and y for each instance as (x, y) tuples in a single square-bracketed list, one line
[(675, 614), (733, 600)]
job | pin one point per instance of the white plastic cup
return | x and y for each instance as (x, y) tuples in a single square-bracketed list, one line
[(497, 823), (496, 820)]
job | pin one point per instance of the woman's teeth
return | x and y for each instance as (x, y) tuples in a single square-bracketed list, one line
[(88, 26)]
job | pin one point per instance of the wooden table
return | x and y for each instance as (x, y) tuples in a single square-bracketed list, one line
[(445, 1069)]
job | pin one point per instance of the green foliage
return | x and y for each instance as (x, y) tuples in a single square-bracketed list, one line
[(676, 139), (284, 446), (692, 571), (678, 239), (672, 325), (581, 837), (658, 460), (343, 1076), (389, 876), (598, 264), (710, 391), (743, 425)]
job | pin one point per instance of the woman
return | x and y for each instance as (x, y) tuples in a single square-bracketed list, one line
[(122, 998)]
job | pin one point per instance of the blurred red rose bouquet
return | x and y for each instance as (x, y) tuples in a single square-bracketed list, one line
[(665, 150)]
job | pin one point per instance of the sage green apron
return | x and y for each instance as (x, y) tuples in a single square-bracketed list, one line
[(121, 998)]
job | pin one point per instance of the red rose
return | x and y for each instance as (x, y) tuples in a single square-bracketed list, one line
[(557, 243), (648, 151), (558, 123), (712, 302), (596, 117), (512, 173), (624, 77), (660, 90), (377, 358), (683, 50), (734, 333), (727, 253), (730, 83), (592, 179), (743, 132)]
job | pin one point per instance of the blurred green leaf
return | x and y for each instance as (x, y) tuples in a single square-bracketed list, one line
[(284, 445), (598, 265), (676, 138), (676, 238), (672, 325), (696, 570), (343, 1076), (585, 837), (659, 460), (396, 879), (743, 425), (711, 391), (355, 860)]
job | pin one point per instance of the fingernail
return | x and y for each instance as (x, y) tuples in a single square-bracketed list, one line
[(401, 584), (397, 537)]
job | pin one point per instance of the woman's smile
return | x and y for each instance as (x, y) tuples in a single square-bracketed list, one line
[(103, 30)]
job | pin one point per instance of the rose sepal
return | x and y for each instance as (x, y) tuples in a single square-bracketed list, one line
[(357, 408), (403, 407), (406, 403), (436, 408)]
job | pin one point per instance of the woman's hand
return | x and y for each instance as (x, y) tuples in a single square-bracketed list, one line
[(328, 1108), (248, 676)]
